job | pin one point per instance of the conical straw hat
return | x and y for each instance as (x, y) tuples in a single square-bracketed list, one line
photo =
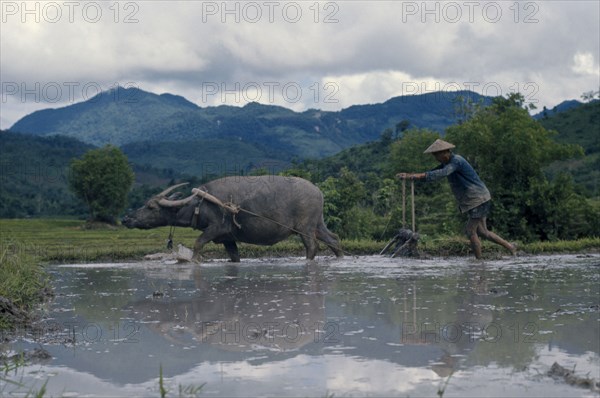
[(439, 145)]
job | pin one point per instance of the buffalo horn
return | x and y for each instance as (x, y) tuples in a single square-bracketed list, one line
[(168, 190), (163, 201), (176, 203)]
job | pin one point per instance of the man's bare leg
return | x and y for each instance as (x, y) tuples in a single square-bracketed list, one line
[(473, 225), (489, 235)]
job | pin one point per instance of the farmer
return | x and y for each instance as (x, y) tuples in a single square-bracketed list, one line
[(471, 193)]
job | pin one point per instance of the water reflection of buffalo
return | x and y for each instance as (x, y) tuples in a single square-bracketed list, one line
[(241, 314)]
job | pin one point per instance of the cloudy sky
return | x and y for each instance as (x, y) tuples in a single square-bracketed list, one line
[(299, 54)]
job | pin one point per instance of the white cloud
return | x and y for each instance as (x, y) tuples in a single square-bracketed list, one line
[(584, 64), (376, 86)]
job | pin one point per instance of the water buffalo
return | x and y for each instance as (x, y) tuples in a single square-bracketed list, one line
[(271, 208)]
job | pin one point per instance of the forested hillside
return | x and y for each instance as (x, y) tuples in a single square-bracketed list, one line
[(579, 125), (34, 174), (206, 159)]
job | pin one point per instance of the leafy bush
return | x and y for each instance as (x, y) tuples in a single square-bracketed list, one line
[(102, 179)]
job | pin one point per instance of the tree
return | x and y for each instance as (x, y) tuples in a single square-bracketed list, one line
[(344, 197), (102, 179), (465, 107), (407, 154), (561, 213), (589, 96)]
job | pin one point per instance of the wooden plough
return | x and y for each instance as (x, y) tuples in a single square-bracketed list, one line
[(405, 242)]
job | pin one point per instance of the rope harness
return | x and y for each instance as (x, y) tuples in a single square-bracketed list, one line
[(170, 240), (196, 216), (229, 206)]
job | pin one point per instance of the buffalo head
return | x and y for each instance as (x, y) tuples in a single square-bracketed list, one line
[(160, 210)]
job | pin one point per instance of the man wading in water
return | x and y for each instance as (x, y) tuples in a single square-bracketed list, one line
[(471, 193)]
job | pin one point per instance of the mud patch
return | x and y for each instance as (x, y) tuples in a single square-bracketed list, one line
[(36, 355), (559, 372), (13, 314)]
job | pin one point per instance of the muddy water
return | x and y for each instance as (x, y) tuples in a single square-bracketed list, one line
[(366, 326)]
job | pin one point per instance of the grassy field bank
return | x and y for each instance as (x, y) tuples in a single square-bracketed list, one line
[(55, 240), (23, 284)]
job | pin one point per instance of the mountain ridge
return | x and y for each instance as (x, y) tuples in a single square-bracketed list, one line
[(169, 131), (125, 115)]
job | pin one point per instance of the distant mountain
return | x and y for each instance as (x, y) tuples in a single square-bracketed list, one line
[(114, 117), (126, 116), (563, 106)]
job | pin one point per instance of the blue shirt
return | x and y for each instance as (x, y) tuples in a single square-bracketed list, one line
[(467, 187)]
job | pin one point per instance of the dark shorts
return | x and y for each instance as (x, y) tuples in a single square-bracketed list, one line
[(480, 211)]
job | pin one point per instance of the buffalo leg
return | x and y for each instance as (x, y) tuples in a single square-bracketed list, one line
[(310, 244), (232, 250), (207, 236)]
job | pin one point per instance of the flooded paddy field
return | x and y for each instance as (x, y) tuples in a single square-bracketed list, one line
[(359, 326)]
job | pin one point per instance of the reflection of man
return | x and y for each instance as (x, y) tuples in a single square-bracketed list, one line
[(474, 322), (445, 366), (471, 193)]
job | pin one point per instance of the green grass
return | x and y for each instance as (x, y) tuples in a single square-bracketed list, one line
[(70, 240), (57, 240), (561, 246), (22, 280)]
